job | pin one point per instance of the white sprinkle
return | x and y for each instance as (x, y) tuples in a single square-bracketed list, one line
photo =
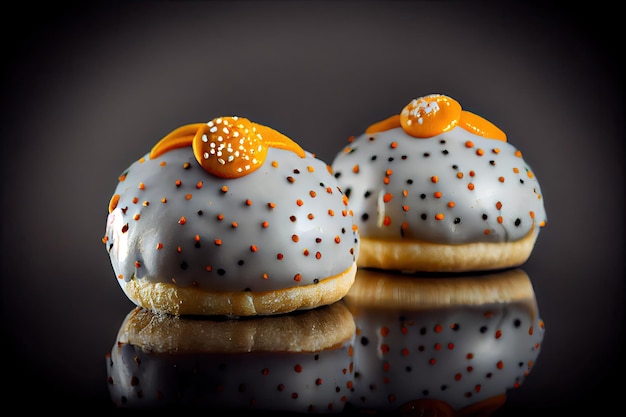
[(213, 129), (205, 138), (221, 161)]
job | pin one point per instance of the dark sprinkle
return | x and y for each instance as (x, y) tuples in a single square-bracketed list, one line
[(365, 216), (184, 265), (457, 221), (221, 271), (518, 222)]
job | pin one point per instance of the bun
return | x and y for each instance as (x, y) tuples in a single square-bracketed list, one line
[(298, 362), (439, 189), (230, 218), (442, 344)]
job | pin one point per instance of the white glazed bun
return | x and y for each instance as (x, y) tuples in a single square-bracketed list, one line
[(442, 345), (298, 362), (439, 189), (231, 218)]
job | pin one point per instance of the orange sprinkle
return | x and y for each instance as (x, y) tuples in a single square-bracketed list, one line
[(387, 197), (188, 196), (253, 248), (271, 205), (434, 178), (470, 186), (105, 239), (113, 202), (451, 204), (351, 139), (137, 264), (234, 224), (386, 180), (280, 256), (299, 202), (159, 246), (265, 276), (310, 168), (297, 277), (164, 200), (472, 173), (500, 365), (248, 202), (437, 194), (120, 276), (387, 221), (439, 216), (135, 200), (393, 145), (142, 160), (499, 205), (196, 238), (355, 169), (220, 216), (182, 220), (199, 185), (146, 203), (310, 216), (142, 186), (224, 188), (121, 177), (337, 239), (405, 208), (163, 163), (265, 224), (208, 268), (501, 179), (530, 174), (318, 255), (178, 183), (405, 193), (329, 190), (389, 172), (469, 144), (459, 175), (305, 252), (295, 238), (532, 214), (136, 216), (275, 164), (516, 170), (518, 154), (500, 220), (218, 242), (179, 249), (312, 193), (487, 231), (331, 212), (495, 150)]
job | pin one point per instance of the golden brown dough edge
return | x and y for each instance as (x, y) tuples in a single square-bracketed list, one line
[(314, 330), (420, 256), (167, 298)]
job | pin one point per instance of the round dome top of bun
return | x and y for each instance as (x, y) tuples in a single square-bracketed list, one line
[(438, 188), (227, 217)]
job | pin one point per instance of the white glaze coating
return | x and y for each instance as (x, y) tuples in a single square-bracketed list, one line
[(210, 232), (393, 179)]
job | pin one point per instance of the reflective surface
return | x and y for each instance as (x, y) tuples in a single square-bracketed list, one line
[(420, 345), (88, 88)]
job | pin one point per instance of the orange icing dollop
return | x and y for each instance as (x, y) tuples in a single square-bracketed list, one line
[(434, 114), (228, 147)]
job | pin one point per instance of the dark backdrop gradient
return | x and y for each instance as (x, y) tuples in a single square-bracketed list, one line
[(89, 88)]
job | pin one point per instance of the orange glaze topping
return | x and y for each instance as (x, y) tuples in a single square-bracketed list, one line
[(228, 147), (434, 114)]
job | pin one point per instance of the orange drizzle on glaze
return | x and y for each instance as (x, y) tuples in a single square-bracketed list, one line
[(434, 114), (228, 147)]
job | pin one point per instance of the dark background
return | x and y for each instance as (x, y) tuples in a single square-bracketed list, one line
[(89, 88)]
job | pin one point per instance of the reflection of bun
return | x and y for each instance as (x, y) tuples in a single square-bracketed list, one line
[(232, 218), (437, 188), (440, 344), (299, 362)]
